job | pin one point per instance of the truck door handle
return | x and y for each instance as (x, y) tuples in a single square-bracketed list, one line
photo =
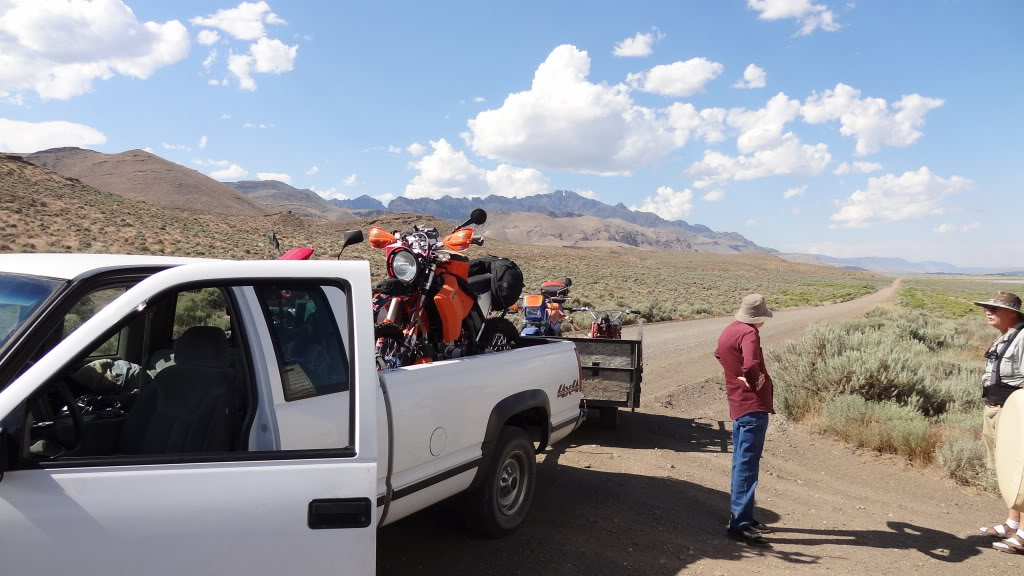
[(327, 513)]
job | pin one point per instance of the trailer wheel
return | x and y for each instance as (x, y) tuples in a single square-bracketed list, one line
[(608, 416), (500, 504)]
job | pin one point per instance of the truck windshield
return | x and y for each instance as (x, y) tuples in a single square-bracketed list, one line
[(20, 296)]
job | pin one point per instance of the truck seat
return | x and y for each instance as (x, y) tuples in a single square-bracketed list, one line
[(191, 405)]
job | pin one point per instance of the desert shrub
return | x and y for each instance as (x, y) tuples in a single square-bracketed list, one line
[(657, 311), (882, 426), (905, 380)]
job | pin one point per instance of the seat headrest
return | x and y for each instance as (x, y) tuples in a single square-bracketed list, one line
[(205, 346)]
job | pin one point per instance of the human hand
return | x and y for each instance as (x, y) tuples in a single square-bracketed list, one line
[(745, 383), (761, 379)]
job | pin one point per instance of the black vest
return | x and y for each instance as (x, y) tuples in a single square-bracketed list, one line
[(996, 392)]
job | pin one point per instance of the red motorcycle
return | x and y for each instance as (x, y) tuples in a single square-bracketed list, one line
[(300, 253), (430, 308), (604, 323)]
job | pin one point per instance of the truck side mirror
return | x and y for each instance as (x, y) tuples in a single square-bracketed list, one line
[(568, 282), (351, 237)]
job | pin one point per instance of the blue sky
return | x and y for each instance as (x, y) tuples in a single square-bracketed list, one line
[(864, 128)]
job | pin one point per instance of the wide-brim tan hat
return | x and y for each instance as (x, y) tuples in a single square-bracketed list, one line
[(754, 309), (1006, 300)]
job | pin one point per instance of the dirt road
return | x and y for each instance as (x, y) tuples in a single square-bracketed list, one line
[(652, 496)]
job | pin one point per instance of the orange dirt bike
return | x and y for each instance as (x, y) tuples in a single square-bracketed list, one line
[(430, 308)]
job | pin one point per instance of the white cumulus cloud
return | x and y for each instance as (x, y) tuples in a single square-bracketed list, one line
[(638, 46), (677, 79), (416, 149), (956, 228), (446, 171), (202, 142), (208, 37), (763, 128), (753, 77), (566, 122), (668, 203), (57, 48), (714, 196), (243, 22), (240, 65), (273, 56), (312, 171), (794, 192), (857, 168), (26, 137), (182, 147), (351, 180), (329, 193), (274, 176), (870, 120), (892, 198), (790, 158), (229, 172), (809, 15)]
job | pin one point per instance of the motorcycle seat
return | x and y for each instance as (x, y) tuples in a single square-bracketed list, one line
[(481, 283)]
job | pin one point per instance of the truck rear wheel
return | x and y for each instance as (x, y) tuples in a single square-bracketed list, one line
[(500, 504)]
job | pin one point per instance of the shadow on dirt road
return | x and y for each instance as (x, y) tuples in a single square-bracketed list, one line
[(588, 521)]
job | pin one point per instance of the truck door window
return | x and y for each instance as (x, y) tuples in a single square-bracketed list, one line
[(310, 352), (85, 309), (203, 307)]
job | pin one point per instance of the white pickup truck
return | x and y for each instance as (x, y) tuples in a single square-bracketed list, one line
[(179, 416)]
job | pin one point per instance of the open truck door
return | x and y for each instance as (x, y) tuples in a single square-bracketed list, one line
[(191, 476)]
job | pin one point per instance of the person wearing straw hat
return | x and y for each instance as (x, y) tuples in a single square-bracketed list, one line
[(1003, 376), (749, 391)]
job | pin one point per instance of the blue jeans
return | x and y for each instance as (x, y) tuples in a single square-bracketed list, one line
[(748, 433)]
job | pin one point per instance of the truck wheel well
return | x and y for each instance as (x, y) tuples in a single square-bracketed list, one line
[(534, 421)]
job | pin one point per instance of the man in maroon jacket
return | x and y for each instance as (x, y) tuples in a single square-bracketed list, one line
[(749, 388)]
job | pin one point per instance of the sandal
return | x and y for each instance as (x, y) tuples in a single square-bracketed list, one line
[(997, 531), (1012, 545)]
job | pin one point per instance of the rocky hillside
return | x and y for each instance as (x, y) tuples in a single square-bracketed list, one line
[(139, 175), (283, 197)]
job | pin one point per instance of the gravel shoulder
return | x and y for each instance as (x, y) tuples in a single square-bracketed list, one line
[(651, 497)]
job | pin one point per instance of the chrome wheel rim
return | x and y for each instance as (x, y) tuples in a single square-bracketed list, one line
[(511, 483)]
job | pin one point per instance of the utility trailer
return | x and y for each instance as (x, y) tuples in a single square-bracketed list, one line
[(612, 371)]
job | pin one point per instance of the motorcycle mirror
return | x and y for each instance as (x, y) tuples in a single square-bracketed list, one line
[(351, 237), (568, 282), (477, 217), (272, 240)]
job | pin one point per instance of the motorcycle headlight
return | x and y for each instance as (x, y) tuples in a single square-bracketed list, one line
[(403, 265)]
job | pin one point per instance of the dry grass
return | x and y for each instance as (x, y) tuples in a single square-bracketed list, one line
[(41, 211)]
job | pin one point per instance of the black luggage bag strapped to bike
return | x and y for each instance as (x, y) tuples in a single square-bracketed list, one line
[(506, 279)]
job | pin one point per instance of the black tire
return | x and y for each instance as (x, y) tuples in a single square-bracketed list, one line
[(391, 351), (498, 334), (608, 416), (500, 504)]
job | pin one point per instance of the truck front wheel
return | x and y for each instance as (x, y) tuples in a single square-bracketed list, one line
[(499, 505)]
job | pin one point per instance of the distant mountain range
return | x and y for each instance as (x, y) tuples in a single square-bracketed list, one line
[(559, 218), (896, 265), (567, 218), (300, 202)]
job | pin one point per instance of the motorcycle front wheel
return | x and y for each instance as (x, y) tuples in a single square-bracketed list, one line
[(391, 350), (498, 334)]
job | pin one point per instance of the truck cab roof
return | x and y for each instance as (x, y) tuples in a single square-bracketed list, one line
[(71, 266)]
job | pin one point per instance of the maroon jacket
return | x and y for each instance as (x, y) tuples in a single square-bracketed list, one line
[(739, 351)]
